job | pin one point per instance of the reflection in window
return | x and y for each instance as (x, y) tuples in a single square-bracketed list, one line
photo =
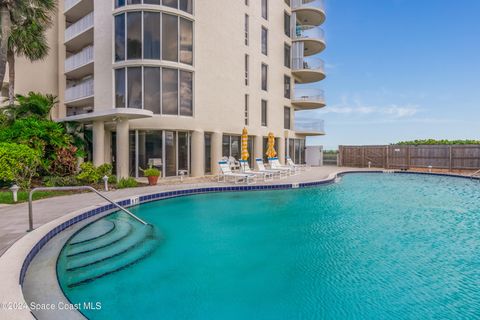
[(171, 3), (134, 35), (186, 41), (286, 86), (120, 88), (152, 89), (264, 77), (151, 35), (169, 37), (149, 149), (119, 3), (287, 56), (186, 93), (170, 91), (120, 37), (183, 150), (134, 87), (186, 5)]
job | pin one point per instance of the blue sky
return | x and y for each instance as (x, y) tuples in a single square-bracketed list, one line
[(400, 70)]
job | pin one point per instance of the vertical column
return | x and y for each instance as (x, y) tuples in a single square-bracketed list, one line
[(198, 154), (281, 150), (98, 143), (258, 147), (216, 151), (108, 147), (122, 148)]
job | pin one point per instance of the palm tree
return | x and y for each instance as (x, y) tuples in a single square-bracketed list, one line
[(23, 25), (32, 105)]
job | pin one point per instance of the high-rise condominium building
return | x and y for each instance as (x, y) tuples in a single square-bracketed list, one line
[(173, 82)]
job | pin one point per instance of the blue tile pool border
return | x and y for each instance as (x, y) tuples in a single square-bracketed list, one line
[(188, 192)]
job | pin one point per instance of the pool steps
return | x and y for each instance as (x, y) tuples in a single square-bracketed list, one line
[(95, 231), (111, 252)]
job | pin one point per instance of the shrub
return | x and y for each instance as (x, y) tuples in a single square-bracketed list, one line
[(65, 162), (18, 163), (152, 172), (105, 170), (127, 183), (60, 181), (112, 179), (89, 173)]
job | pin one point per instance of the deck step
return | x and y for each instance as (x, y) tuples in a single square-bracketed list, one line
[(122, 230)]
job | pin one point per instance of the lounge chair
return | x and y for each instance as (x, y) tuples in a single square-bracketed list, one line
[(280, 172), (299, 166), (245, 167), (275, 164), (226, 172)]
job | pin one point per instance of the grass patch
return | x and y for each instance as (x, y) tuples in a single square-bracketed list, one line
[(6, 196)]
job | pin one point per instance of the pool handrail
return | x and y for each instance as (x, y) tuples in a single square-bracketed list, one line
[(30, 201)]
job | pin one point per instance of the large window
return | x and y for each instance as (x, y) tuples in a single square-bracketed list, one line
[(134, 35), (184, 5), (264, 113), (286, 86), (208, 152), (152, 89), (151, 35), (170, 37), (265, 9), (120, 37), (287, 118), (162, 91), (186, 41), (287, 56), (231, 146), (170, 91), (264, 41), (264, 77), (163, 36), (286, 24), (134, 93)]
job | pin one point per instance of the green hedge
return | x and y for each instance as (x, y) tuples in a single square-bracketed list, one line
[(18, 163)]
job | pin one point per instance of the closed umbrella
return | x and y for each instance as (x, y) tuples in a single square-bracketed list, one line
[(271, 153)]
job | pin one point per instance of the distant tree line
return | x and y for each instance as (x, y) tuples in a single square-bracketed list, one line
[(433, 141)]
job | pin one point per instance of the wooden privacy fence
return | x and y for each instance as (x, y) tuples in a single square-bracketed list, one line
[(448, 157)]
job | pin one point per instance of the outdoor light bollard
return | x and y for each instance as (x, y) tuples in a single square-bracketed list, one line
[(369, 164), (430, 169), (105, 182), (14, 190)]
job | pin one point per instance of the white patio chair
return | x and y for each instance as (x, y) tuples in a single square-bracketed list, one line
[(226, 172), (279, 173), (245, 168)]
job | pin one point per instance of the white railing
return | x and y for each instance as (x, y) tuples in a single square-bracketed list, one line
[(308, 125), (308, 63), (308, 95), (79, 59), (301, 32), (79, 27), (69, 4), (317, 4), (80, 90)]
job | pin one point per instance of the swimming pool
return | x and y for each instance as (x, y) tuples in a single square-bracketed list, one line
[(373, 246)]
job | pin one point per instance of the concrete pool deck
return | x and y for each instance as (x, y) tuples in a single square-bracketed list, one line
[(14, 218)]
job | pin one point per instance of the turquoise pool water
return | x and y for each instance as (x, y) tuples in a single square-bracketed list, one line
[(373, 246)]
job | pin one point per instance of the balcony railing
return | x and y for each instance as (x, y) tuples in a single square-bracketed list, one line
[(309, 95), (308, 125), (83, 89), (317, 4), (80, 59), (308, 63), (70, 3), (308, 32), (79, 27)]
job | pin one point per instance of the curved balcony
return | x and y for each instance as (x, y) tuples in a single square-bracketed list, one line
[(79, 34), (76, 9), (305, 127), (307, 99), (80, 94), (306, 70), (313, 39), (310, 12), (80, 64)]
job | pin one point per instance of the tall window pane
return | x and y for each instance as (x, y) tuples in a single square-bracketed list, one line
[(120, 37), (286, 118), (286, 24), (287, 56), (169, 37), (247, 27), (247, 67), (119, 3), (134, 35), (264, 77), (186, 41), (186, 5), (170, 91), (264, 41), (151, 1), (186, 93), (208, 152), (183, 151), (151, 35), (286, 86), (120, 88), (152, 89), (171, 3), (134, 1), (134, 83), (265, 9), (264, 113)]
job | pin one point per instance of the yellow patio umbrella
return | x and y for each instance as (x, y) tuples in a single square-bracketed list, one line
[(271, 153), (245, 154)]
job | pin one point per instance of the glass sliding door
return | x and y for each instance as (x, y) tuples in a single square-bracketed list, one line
[(170, 153), (235, 147), (208, 153), (150, 150), (183, 151)]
